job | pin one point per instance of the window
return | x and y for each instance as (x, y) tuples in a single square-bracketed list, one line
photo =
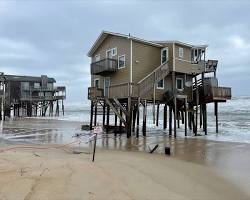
[(50, 85), (121, 61), (111, 52), (164, 55), (114, 51), (160, 84), (25, 85), (179, 83), (96, 83), (97, 57), (36, 85), (181, 52)]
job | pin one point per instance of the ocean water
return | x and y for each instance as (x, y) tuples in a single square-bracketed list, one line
[(234, 120)]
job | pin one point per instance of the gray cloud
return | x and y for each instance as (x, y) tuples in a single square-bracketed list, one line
[(53, 37)]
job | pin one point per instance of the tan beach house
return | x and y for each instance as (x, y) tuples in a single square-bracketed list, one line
[(128, 72)]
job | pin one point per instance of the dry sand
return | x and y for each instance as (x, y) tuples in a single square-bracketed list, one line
[(56, 174)]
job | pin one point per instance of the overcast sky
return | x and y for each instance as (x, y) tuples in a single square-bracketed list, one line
[(53, 37)]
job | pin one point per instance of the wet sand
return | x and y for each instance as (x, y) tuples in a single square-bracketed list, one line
[(55, 174), (224, 161)]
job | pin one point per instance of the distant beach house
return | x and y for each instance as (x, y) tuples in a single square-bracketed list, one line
[(128, 72), (26, 94)]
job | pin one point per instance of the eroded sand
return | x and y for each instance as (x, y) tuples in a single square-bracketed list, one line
[(56, 174)]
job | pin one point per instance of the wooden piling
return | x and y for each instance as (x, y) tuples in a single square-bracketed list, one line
[(216, 116), (91, 116), (144, 124), (134, 118), (108, 113), (128, 118), (138, 118), (175, 113), (185, 121), (103, 113), (120, 122), (170, 120), (196, 105), (165, 116), (157, 114), (95, 115)]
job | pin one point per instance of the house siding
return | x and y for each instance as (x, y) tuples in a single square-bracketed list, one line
[(145, 59), (123, 48)]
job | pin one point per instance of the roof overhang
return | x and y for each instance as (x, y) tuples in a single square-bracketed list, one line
[(105, 34), (180, 43)]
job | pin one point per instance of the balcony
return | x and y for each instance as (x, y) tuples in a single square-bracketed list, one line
[(104, 66), (217, 94)]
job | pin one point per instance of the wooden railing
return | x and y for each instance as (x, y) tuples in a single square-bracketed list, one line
[(204, 66), (94, 92), (105, 65), (148, 83), (41, 98), (217, 93), (123, 90)]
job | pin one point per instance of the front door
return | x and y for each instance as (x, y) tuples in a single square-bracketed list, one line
[(106, 86)]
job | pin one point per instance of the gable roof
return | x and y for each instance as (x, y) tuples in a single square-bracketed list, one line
[(104, 35)]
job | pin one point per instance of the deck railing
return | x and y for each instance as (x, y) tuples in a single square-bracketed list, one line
[(105, 65), (124, 90), (217, 93), (94, 92), (41, 98)]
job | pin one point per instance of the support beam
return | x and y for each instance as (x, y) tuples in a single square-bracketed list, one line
[(157, 114), (108, 113), (165, 111), (144, 124), (185, 122), (170, 120), (95, 117), (197, 103), (129, 118), (216, 115), (115, 110), (91, 116), (103, 113), (138, 118)]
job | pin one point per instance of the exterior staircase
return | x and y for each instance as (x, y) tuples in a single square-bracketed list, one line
[(148, 83)]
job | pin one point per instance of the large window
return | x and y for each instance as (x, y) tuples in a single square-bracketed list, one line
[(97, 83), (160, 84), (121, 61), (164, 55), (181, 52), (179, 84)]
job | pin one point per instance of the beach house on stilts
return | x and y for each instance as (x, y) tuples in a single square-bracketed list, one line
[(30, 96), (128, 73)]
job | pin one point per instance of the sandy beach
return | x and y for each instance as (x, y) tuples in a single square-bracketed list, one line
[(35, 164), (58, 174)]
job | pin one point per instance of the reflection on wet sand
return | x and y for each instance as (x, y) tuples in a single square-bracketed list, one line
[(231, 160)]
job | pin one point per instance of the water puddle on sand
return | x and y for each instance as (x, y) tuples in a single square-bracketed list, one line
[(231, 160)]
